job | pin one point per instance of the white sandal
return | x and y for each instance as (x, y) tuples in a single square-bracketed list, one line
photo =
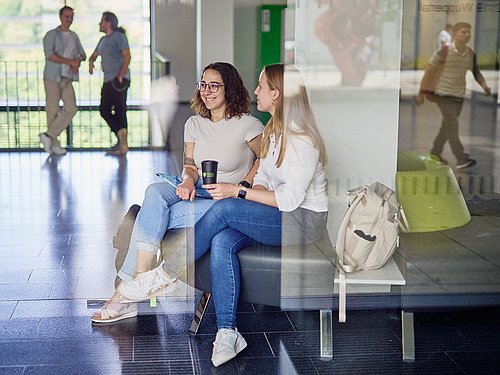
[(110, 316)]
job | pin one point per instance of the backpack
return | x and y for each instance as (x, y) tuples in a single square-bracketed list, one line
[(368, 234)]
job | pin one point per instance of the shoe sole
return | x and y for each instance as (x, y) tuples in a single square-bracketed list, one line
[(243, 344), (171, 287), (128, 315), (466, 166)]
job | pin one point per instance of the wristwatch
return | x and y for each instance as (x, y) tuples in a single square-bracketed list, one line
[(245, 184), (242, 194)]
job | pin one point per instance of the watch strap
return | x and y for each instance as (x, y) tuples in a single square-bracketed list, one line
[(245, 184)]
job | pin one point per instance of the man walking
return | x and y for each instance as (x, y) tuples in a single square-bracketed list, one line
[(444, 83), (115, 59), (63, 55)]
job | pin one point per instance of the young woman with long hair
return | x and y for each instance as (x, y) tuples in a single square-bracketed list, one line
[(287, 205)]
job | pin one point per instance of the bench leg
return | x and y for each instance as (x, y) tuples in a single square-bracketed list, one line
[(408, 332), (198, 315), (326, 334)]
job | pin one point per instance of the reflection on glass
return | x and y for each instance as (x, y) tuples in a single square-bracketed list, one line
[(448, 162)]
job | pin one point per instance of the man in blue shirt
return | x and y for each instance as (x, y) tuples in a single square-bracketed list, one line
[(115, 59), (63, 55)]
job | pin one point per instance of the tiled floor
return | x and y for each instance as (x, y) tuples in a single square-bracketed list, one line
[(57, 217), (55, 254)]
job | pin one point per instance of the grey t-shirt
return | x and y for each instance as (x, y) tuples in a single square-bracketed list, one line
[(110, 49), (225, 141)]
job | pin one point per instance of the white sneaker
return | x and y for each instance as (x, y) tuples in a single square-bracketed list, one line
[(58, 150), (147, 284), (228, 343), (46, 141)]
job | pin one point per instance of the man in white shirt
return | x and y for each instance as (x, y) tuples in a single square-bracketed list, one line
[(63, 55)]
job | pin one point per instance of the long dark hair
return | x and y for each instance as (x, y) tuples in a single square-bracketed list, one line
[(113, 20), (235, 94)]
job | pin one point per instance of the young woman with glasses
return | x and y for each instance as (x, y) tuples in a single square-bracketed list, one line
[(287, 205), (221, 130)]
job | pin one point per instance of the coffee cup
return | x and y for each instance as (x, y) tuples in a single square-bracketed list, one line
[(209, 171)]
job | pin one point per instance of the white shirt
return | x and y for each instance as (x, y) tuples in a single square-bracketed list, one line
[(444, 38), (300, 181), (225, 141)]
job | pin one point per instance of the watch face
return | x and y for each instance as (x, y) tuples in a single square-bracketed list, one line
[(242, 194)]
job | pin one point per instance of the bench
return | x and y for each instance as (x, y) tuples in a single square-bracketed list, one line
[(291, 278), (457, 268)]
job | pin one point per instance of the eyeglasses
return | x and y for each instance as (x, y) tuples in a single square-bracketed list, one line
[(213, 87)]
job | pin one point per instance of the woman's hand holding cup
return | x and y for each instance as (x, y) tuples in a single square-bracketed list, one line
[(222, 190)]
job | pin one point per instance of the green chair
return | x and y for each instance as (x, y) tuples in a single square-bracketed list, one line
[(429, 193)]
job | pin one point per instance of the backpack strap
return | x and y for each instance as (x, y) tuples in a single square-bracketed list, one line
[(341, 237), (340, 247), (402, 220)]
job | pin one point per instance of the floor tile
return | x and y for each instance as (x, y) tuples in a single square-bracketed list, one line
[(18, 329), (14, 276), (82, 326), (179, 324), (6, 309), (12, 370), (276, 366), (78, 249), (263, 322), (310, 320), (22, 239), (157, 348), (106, 260), (69, 276), (127, 328), (24, 291), (353, 342), (386, 364), (487, 362), (440, 339), (91, 239), (80, 369), (20, 250), (202, 367), (29, 263), (94, 290), (60, 254), (67, 352), (479, 317), (51, 308)]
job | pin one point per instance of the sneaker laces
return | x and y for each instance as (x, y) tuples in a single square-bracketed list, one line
[(221, 340), (150, 282)]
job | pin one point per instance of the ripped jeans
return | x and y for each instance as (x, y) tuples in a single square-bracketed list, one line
[(161, 210)]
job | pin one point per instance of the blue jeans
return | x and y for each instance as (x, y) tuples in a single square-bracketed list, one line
[(233, 224), (161, 210)]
